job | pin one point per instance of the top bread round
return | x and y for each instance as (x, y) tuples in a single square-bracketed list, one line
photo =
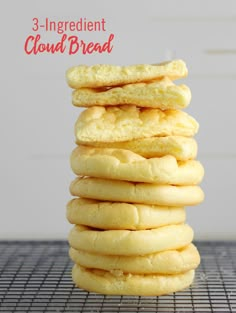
[(102, 75)]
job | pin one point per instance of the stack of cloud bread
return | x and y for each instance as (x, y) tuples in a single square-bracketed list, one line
[(136, 167)]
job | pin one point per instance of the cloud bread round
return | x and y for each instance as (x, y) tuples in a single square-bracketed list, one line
[(182, 148), (126, 165), (127, 284), (165, 262), (115, 215), (113, 75), (122, 191), (162, 94), (125, 123), (129, 242)]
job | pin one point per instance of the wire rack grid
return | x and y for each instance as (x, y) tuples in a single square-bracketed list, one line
[(35, 276)]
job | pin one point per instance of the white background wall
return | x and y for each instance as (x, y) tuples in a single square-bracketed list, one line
[(37, 117)]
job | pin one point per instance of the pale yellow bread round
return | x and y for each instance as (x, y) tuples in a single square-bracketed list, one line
[(113, 75), (109, 283), (126, 165), (123, 191), (182, 148), (162, 94), (130, 242), (167, 262), (128, 122), (115, 215)]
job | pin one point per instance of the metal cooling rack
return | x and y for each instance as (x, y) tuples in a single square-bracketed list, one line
[(35, 277)]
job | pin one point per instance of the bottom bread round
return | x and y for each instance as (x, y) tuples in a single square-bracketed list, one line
[(119, 283)]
